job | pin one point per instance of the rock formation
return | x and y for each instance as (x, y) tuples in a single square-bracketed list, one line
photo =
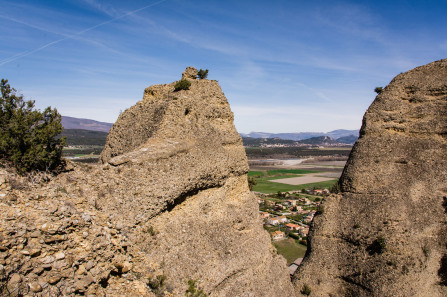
[(168, 204), (386, 234)]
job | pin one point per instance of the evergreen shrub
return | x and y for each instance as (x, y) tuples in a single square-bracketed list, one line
[(28, 136)]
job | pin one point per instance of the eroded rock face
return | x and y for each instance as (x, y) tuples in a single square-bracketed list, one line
[(188, 168), (386, 234), (179, 142), (168, 203)]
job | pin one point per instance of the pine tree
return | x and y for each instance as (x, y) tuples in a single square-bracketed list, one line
[(202, 74), (28, 136)]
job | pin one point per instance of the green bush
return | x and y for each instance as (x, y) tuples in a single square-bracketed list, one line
[(305, 290), (202, 74), (293, 235), (378, 90), (28, 136), (151, 230), (193, 291), (320, 209), (252, 182), (182, 84), (157, 284), (378, 246)]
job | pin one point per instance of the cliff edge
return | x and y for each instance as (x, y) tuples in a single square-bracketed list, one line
[(385, 234)]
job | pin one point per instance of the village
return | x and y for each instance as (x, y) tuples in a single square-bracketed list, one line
[(287, 216)]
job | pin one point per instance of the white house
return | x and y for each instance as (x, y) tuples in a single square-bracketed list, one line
[(277, 220), (278, 235)]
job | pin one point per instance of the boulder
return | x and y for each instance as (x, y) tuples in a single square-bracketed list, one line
[(190, 73)]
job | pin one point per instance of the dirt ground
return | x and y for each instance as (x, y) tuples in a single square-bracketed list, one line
[(334, 167), (301, 180)]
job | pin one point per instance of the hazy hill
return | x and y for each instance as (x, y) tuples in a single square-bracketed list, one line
[(351, 139), (249, 141), (342, 133), (84, 137), (302, 135), (320, 140), (76, 132), (85, 124)]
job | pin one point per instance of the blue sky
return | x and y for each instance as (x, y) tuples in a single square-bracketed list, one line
[(284, 66)]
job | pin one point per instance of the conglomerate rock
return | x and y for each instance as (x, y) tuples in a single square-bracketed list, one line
[(169, 203), (386, 234)]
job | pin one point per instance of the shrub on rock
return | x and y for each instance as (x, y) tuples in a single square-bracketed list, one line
[(202, 74), (182, 84)]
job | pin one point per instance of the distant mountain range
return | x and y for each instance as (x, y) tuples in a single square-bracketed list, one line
[(74, 126), (85, 124), (351, 139), (303, 135), (321, 140), (313, 141)]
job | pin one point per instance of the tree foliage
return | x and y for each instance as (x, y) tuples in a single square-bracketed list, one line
[(378, 90), (378, 246), (306, 290), (202, 74), (182, 84), (252, 182), (193, 291), (28, 136)]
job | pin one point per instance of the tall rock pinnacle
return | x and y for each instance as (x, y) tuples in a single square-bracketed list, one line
[(185, 171), (386, 234)]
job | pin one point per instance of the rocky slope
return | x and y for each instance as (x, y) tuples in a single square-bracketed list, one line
[(386, 234), (168, 204)]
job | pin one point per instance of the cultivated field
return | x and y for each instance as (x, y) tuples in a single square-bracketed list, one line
[(273, 175), (302, 180)]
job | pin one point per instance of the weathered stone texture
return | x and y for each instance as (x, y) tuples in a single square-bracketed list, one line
[(394, 190), (168, 203), (190, 185), (188, 144)]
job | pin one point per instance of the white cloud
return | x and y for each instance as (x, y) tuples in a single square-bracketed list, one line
[(75, 35), (443, 45), (104, 8), (352, 19)]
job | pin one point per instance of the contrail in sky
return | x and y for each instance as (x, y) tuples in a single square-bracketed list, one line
[(24, 54)]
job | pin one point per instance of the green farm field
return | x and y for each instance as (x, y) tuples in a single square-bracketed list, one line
[(290, 249), (264, 177), (267, 187)]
